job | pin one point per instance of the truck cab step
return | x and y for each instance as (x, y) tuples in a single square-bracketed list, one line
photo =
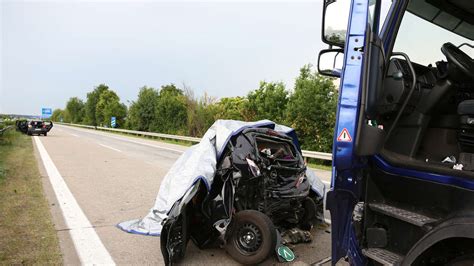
[(411, 217), (383, 256)]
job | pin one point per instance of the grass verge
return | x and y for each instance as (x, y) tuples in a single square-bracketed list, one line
[(320, 166), (27, 234)]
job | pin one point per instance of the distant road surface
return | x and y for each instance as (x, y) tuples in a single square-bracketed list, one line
[(116, 178)]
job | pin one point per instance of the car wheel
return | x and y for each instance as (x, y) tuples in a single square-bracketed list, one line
[(309, 214), (252, 237), (45, 134)]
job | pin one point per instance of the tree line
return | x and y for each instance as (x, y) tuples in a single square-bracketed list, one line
[(309, 107)]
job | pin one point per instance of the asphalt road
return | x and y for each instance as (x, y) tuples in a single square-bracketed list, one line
[(115, 178)]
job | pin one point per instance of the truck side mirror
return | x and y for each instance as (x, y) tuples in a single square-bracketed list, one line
[(330, 62), (335, 19)]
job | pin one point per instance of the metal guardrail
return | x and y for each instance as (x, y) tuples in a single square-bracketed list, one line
[(307, 154), (317, 155), (4, 129)]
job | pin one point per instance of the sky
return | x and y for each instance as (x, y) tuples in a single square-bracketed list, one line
[(53, 50)]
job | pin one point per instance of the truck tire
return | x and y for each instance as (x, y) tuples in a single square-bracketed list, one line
[(252, 237)]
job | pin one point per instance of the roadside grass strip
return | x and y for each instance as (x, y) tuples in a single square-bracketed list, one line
[(27, 233), (89, 247)]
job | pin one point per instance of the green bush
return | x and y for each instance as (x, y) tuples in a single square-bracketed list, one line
[(310, 108)]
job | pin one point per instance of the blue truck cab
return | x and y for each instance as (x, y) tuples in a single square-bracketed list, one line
[(402, 190)]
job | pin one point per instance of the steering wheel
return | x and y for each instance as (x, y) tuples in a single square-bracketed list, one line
[(459, 59)]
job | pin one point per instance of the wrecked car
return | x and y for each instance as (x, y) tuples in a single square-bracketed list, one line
[(243, 187), (260, 189), (38, 127)]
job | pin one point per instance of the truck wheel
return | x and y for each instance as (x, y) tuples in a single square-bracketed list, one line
[(252, 237)]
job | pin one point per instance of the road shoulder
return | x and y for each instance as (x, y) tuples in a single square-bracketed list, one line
[(66, 244), (27, 233)]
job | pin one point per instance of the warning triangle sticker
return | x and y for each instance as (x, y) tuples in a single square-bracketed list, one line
[(344, 136)]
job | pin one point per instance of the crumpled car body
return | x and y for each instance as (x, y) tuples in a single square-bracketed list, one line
[(260, 170)]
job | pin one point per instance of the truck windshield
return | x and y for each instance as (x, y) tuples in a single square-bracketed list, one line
[(422, 40)]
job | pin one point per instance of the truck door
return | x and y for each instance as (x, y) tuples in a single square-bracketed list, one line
[(355, 137)]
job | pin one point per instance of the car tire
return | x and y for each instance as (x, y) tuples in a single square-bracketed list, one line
[(45, 134), (309, 216), (29, 134), (252, 237)]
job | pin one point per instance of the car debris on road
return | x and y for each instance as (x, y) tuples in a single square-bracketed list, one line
[(244, 187)]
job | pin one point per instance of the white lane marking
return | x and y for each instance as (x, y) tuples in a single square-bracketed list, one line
[(74, 135), (146, 144), (138, 142), (108, 147), (126, 139), (327, 183), (89, 247)]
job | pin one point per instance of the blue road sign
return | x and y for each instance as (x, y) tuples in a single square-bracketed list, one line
[(113, 121), (46, 112)]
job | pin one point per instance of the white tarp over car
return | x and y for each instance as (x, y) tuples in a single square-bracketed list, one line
[(199, 162)]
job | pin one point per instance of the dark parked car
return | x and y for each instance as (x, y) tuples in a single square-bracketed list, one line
[(38, 127), (22, 125), (260, 189)]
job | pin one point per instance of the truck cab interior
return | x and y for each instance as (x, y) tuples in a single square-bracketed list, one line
[(426, 105)]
